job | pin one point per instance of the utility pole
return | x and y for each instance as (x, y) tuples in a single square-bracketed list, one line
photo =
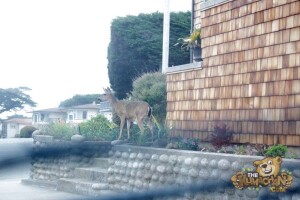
[(166, 35)]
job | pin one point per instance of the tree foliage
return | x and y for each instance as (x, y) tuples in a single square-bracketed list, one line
[(151, 87), (136, 47), (14, 99), (79, 100)]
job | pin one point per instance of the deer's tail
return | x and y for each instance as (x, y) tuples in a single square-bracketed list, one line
[(149, 111)]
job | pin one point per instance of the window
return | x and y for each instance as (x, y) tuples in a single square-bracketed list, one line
[(71, 117), (42, 117), (84, 114)]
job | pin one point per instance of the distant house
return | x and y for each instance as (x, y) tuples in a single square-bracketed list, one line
[(12, 127), (74, 114)]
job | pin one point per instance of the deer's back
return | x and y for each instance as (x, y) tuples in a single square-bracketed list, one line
[(133, 109)]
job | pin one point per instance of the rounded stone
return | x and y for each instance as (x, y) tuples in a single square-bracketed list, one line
[(162, 179), (118, 154), (135, 165), (204, 162), (172, 159), (236, 166), (161, 169), (155, 177), (169, 169), (148, 166), (196, 162), (124, 164), (188, 161), (138, 183), (129, 165), (110, 179), (77, 138), (147, 156), (110, 153), (176, 170), (99, 186), (180, 159), (224, 164), (203, 173), (213, 164), (154, 157), (110, 170), (131, 182), (147, 176), (163, 158), (193, 172), (118, 163), (225, 176), (139, 174), (125, 155), (140, 156), (132, 156), (153, 167), (215, 174), (251, 193), (132, 173), (141, 165), (122, 171), (184, 171)]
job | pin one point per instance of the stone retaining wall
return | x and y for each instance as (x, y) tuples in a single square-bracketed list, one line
[(138, 168), (54, 159)]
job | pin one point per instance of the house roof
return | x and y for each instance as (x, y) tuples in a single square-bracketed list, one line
[(56, 110), (26, 121), (85, 106)]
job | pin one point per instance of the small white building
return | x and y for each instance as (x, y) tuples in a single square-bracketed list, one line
[(12, 127), (74, 114)]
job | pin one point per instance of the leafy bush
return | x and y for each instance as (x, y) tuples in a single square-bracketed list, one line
[(60, 130), (184, 143), (276, 150), (26, 132), (221, 136), (99, 128), (151, 87)]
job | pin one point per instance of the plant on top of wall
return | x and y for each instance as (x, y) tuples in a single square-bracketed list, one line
[(221, 136), (276, 150)]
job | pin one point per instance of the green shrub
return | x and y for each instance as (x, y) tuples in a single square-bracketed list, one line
[(99, 128), (221, 136), (151, 87), (276, 150), (26, 132), (61, 131), (179, 142)]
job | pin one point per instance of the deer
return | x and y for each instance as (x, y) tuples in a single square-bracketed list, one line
[(131, 111)]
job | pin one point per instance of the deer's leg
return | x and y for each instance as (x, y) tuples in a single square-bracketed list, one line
[(150, 125), (121, 127), (128, 127), (141, 125)]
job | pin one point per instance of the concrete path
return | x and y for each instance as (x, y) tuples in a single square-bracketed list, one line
[(13, 189)]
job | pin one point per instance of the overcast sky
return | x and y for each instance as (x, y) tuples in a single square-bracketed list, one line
[(58, 48)]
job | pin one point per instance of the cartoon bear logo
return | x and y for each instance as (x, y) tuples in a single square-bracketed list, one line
[(268, 166)]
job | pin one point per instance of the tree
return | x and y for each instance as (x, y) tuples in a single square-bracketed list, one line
[(79, 100), (151, 87), (14, 99), (136, 47)]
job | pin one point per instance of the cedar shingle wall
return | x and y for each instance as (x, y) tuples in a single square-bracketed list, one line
[(250, 78)]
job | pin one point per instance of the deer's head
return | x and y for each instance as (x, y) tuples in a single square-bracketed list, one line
[(108, 95)]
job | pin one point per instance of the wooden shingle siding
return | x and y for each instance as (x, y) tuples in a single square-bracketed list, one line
[(250, 78)]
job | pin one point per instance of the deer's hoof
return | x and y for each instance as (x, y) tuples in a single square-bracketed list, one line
[(117, 142)]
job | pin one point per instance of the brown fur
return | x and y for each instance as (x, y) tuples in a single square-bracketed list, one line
[(130, 111)]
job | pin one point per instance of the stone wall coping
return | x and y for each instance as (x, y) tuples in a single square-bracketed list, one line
[(43, 138), (230, 157)]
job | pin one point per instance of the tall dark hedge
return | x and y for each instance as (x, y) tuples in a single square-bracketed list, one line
[(136, 47)]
